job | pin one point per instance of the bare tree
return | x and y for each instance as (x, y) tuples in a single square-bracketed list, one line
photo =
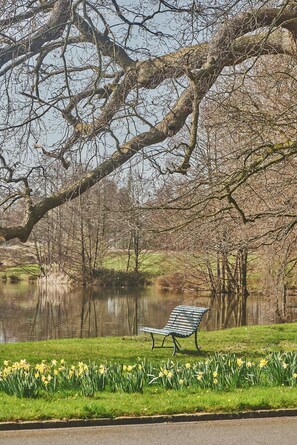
[(76, 237), (103, 82)]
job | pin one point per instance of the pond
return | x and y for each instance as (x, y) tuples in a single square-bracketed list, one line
[(30, 312)]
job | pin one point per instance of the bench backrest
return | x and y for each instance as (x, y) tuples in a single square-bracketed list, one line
[(185, 318)]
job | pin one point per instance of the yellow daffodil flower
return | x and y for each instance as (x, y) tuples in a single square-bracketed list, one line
[(239, 362), (263, 363)]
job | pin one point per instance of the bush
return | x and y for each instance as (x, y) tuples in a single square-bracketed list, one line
[(110, 277), (173, 282)]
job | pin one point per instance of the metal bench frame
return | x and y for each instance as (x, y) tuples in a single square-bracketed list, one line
[(183, 322)]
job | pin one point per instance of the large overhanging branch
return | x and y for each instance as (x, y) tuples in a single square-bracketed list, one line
[(204, 61), (52, 30), (105, 45), (150, 74)]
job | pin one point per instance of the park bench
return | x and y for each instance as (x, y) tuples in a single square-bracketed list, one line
[(183, 322)]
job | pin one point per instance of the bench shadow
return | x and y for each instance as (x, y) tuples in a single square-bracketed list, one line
[(192, 353)]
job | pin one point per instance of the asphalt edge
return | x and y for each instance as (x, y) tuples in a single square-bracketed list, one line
[(78, 423)]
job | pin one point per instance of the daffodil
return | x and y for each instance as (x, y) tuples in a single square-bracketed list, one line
[(163, 371), (188, 365), (40, 367), (239, 362), (7, 371), (200, 376), (16, 366), (263, 363)]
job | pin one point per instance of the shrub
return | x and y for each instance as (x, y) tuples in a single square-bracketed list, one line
[(110, 277)]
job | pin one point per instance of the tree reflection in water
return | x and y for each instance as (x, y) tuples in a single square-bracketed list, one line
[(35, 312)]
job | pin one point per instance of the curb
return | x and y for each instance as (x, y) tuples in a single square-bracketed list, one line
[(28, 425)]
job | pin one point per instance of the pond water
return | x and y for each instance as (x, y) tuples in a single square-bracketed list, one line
[(30, 312)]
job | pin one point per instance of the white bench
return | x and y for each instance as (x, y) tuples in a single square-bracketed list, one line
[(183, 322)]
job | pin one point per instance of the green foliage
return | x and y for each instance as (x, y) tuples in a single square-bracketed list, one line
[(18, 379), (219, 372), (281, 369)]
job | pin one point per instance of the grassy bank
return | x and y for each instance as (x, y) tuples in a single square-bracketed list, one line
[(251, 343), (24, 272)]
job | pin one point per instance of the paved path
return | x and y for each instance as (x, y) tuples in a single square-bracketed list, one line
[(271, 431)]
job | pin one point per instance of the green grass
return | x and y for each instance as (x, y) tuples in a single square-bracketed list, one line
[(151, 263), (149, 403), (22, 272), (252, 342)]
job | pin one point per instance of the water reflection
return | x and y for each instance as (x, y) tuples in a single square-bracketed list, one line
[(36, 311)]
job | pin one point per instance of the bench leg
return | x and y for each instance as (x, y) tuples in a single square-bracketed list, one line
[(176, 345), (153, 341), (196, 340), (163, 341)]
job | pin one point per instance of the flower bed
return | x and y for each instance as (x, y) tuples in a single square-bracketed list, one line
[(219, 372)]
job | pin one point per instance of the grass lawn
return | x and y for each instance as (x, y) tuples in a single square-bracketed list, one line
[(151, 263), (19, 273), (246, 342)]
